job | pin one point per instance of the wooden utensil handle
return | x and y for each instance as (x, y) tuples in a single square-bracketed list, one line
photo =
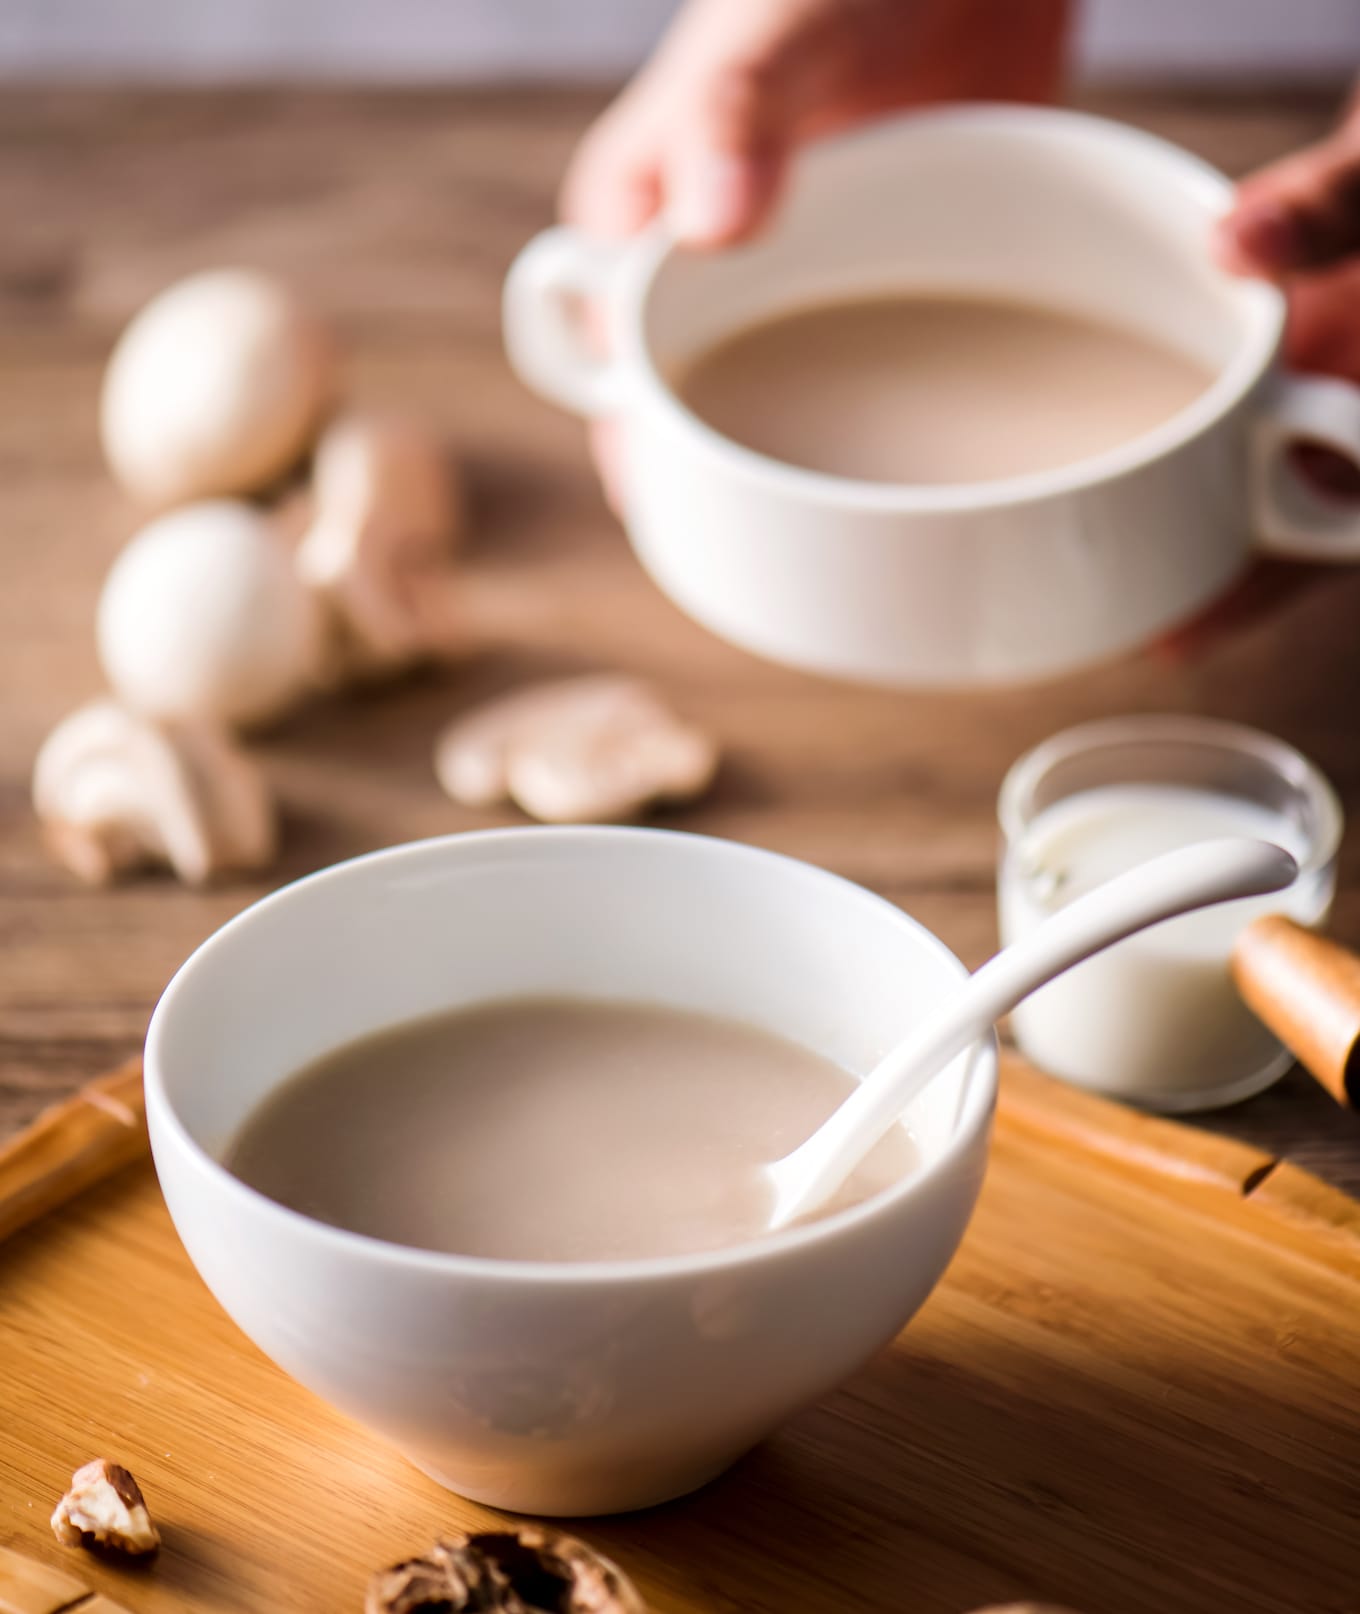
[(1306, 989), (72, 1146)]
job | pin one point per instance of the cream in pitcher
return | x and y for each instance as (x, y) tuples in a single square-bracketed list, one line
[(1157, 1019)]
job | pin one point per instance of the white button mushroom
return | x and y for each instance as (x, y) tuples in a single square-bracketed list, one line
[(218, 386), (203, 615), (380, 546), (116, 792)]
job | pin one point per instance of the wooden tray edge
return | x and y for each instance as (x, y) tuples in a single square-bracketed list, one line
[(71, 1146), (1199, 1168)]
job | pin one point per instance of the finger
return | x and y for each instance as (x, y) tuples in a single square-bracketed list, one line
[(612, 187), (728, 157), (1264, 590), (1299, 214), (1323, 333), (752, 82)]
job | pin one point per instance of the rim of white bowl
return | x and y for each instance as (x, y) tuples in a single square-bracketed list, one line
[(1231, 383), (975, 1111)]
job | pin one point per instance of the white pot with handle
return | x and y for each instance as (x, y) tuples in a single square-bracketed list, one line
[(989, 582)]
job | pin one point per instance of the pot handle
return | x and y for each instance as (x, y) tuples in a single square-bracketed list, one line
[(1293, 518), (549, 293)]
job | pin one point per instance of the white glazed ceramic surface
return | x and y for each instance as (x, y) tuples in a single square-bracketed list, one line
[(567, 1389), (982, 583)]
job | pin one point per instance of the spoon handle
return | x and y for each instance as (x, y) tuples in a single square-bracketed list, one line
[(1174, 883)]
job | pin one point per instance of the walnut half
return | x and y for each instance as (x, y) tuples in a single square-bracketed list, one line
[(104, 1508), (1023, 1608), (532, 1570)]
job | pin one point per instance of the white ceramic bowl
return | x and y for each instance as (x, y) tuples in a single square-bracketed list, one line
[(972, 583), (574, 1388)]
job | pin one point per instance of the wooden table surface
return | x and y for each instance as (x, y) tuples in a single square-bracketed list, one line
[(398, 214)]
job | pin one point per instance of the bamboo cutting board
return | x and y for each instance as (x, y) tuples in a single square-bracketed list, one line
[(1137, 1391)]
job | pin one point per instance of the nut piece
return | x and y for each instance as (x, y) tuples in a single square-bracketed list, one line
[(104, 1508), (203, 616), (217, 386), (116, 792), (1023, 1608), (532, 1570), (381, 543), (577, 751)]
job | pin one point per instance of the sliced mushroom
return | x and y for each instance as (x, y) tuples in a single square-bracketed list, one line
[(117, 792), (577, 751), (381, 543)]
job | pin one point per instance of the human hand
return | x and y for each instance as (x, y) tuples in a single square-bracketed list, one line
[(704, 134), (1296, 222)]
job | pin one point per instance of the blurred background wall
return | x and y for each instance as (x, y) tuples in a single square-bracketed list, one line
[(1207, 41)]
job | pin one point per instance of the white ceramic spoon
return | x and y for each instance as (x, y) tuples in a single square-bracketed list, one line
[(1175, 883)]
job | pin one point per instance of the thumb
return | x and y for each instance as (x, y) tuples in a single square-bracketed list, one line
[(728, 156), (746, 79), (1299, 214)]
